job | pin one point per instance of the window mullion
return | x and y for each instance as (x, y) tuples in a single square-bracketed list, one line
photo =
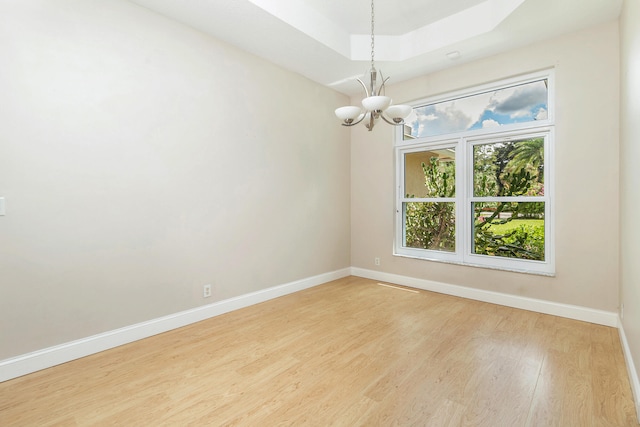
[(509, 199), (462, 196), (428, 199)]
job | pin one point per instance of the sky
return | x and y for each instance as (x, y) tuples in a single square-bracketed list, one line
[(522, 103)]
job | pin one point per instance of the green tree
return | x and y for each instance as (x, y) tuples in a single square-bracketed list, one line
[(431, 225), (495, 174), (529, 154)]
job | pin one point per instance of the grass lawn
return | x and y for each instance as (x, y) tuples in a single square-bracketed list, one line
[(504, 228)]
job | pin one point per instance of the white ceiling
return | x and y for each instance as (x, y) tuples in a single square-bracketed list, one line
[(329, 41)]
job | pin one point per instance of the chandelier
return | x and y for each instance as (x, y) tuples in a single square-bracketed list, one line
[(375, 105)]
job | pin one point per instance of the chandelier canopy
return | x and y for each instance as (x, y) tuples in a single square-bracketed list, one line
[(375, 105)]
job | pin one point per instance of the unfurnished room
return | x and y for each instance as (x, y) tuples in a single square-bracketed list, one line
[(320, 213)]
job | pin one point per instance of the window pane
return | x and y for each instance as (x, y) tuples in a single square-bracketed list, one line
[(509, 229), (512, 168), (430, 173), (430, 225), (526, 102)]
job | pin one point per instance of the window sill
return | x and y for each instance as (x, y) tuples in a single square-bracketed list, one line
[(489, 267)]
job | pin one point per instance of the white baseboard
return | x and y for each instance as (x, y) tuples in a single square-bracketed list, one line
[(599, 317), (48, 357), (631, 369)]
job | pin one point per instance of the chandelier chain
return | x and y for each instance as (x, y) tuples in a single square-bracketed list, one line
[(372, 36)]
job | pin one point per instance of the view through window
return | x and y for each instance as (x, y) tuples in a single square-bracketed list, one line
[(475, 180), (521, 103)]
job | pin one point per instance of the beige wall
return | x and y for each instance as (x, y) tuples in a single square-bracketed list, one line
[(127, 187), (141, 159), (586, 170), (630, 175)]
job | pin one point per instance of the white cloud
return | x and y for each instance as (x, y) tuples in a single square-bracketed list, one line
[(490, 123), (460, 114), (519, 100), (542, 114), (441, 119)]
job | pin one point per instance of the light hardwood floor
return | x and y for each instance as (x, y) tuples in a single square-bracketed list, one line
[(346, 353)]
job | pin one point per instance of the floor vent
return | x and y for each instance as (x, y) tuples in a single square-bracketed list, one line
[(399, 288)]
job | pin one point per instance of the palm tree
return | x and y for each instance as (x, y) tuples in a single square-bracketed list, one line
[(529, 154)]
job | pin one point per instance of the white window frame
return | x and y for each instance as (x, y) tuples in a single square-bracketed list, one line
[(424, 253), (463, 143)]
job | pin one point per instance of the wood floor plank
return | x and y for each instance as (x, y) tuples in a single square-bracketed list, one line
[(346, 353)]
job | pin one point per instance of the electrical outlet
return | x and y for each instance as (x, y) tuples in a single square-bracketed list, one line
[(206, 291), (376, 261)]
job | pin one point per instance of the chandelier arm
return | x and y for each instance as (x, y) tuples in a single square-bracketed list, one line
[(356, 122), (372, 121), (366, 91), (382, 89)]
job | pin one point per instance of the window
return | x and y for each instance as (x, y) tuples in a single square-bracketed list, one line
[(474, 178), (488, 108)]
